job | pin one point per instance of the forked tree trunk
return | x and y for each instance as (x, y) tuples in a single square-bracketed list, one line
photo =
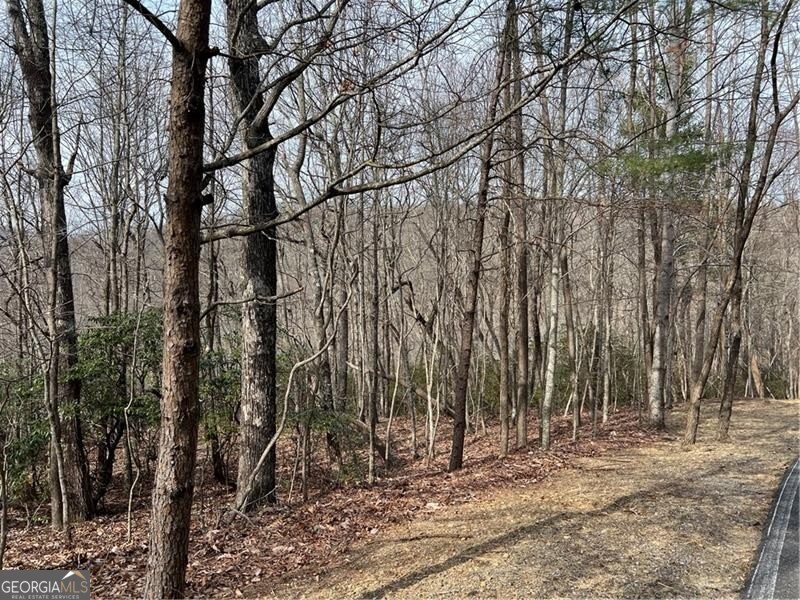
[(745, 212)]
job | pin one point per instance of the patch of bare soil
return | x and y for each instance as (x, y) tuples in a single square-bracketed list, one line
[(248, 556), (652, 521)]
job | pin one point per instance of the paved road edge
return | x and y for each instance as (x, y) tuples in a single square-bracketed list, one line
[(761, 583)]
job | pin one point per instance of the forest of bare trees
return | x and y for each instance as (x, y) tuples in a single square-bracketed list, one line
[(298, 243)]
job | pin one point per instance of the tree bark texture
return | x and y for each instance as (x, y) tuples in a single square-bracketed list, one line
[(259, 267), (174, 478)]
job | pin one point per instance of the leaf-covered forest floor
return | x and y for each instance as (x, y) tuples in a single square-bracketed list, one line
[(251, 555), (652, 521)]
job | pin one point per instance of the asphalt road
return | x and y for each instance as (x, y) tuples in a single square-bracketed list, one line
[(777, 572)]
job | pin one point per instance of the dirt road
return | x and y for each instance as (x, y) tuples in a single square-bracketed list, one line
[(656, 521)]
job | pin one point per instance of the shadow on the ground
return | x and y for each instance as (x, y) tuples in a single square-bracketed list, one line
[(517, 534)]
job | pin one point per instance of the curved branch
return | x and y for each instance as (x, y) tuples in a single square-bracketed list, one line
[(157, 23)]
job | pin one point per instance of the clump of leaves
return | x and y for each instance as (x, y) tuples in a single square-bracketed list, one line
[(24, 432), (683, 154), (106, 366)]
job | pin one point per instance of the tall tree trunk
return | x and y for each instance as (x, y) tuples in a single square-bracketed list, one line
[(732, 361), (702, 272), (520, 214), (572, 342), (259, 262), (662, 324), (3, 499), (174, 480), (504, 398), (473, 279), (700, 318), (597, 363), (321, 297), (342, 341), (374, 350), (37, 62), (662, 352), (552, 342), (342, 352), (645, 339), (608, 311)]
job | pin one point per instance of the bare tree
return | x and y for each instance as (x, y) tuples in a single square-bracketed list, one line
[(69, 483)]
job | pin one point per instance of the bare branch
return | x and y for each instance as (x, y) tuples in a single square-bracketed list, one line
[(157, 23)]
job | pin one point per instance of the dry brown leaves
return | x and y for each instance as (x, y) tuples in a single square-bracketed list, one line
[(258, 550)]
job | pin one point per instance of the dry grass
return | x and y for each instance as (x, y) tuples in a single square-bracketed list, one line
[(652, 521)]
